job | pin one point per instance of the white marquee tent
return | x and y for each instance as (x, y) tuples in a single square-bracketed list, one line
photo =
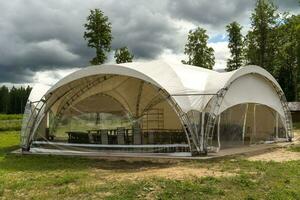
[(157, 107)]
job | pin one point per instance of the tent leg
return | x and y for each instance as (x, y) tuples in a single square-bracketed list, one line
[(219, 143), (47, 134), (254, 121), (244, 124), (202, 131), (276, 128)]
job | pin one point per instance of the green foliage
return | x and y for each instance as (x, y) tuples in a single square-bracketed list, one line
[(98, 35), (122, 55), (199, 54), (4, 99), (13, 101), (273, 43), (287, 59), (261, 39), (235, 45)]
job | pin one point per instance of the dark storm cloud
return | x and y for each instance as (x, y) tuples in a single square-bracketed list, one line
[(215, 13), (288, 5), (146, 38), (36, 35), (48, 35), (142, 26), (43, 35)]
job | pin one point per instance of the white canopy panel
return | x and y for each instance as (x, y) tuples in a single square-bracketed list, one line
[(251, 88), (191, 87)]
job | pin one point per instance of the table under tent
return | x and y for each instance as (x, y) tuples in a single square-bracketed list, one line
[(156, 107)]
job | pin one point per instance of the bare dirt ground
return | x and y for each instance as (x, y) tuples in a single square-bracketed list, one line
[(174, 172), (277, 155), (280, 154), (180, 170)]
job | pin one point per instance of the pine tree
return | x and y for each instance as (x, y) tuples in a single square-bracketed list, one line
[(98, 35), (235, 45), (4, 99)]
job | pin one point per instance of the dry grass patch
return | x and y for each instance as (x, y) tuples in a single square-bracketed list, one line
[(283, 154), (278, 155), (175, 171)]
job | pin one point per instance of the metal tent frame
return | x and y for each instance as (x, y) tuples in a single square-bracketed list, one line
[(199, 139)]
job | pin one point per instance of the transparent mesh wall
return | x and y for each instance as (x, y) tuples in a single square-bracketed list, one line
[(246, 124), (121, 114)]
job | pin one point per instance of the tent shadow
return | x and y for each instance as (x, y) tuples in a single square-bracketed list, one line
[(132, 165), (42, 163)]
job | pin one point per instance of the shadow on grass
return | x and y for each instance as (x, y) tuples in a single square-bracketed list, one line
[(11, 162), (5, 150), (128, 165)]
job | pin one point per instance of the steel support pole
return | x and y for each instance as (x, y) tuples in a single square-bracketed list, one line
[(202, 130), (254, 120), (219, 143), (244, 124), (276, 129)]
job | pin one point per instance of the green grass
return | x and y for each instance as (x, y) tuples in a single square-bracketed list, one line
[(12, 122), (10, 116), (294, 148), (52, 177), (10, 125), (58, 177)]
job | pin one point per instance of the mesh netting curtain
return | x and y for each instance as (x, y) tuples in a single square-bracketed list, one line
[(246, 124)]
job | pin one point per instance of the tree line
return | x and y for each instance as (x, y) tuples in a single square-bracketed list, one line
[(273, 43), (13, 101)]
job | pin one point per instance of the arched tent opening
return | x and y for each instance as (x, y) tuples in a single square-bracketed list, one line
[(155, 107), (250, 109), (247, 124), (120, 113)]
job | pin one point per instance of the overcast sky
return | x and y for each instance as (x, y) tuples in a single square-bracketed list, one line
[(41, 41)]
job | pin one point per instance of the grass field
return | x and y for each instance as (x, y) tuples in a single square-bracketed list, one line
[(57, 177), (10, 122)]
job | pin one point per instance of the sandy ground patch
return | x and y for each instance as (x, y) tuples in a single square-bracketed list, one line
[(178, 172), (278, 155), (172, 172)]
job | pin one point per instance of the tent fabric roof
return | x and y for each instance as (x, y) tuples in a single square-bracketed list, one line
[(185, 83), (175, 78)]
